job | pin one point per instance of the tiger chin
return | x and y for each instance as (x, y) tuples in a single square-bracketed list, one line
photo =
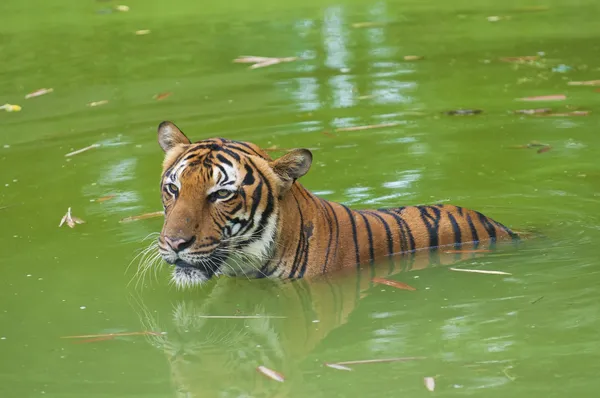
[(232, 210)]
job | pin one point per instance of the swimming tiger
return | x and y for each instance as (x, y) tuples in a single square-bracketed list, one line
[(232, 210)]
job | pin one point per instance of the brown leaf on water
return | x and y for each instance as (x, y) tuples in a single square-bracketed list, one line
[(396, 284), (429, 383), (358, 25), (480, 271), (523, 58), (162, 96), (367, 127), (142, 216), (554, 97), (544, 149), (585, 83), (271, 374), (87, 148), (70, 219), (533, 111), (97, 103), (37, 93), (413, 57), (105, 198)]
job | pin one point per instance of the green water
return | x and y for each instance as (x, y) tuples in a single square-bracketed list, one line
[(530, 334)]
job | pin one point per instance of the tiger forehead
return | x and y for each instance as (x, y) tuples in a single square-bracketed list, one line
[(214, 159)]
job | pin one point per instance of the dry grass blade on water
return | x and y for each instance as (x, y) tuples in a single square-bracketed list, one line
[(87, 148), (396, 284), (480, 271), (241, 316), (110, 335), (142, 216), (338, 366), (367, 127), (383, 360), (271, 374)]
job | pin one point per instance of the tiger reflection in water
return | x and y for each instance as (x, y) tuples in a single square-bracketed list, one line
[(218, 357)]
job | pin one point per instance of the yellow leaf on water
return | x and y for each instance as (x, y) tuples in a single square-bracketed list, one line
[(271, 374), (142, 32)]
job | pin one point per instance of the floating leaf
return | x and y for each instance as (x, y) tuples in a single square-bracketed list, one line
[(585, 83), (396, 284), (413, 57), (142, 32), (480, 271), (143, 216), (87, 148), (337, 366), (270, 373), (555, 97), (162, 96), (11, 108), (429, 383), (37, 93), (122, 8), (70, 220)]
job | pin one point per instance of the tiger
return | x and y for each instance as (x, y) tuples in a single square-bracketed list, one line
[(230, 209)]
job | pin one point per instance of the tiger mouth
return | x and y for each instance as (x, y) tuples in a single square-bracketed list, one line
[(207, 270)]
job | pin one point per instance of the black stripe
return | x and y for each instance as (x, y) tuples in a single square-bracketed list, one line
[(353, 223), (432, 223), (329, 223), (369, 237), (337, 229), (473, 231), (456, 229), (388, 232), (223, 159), (300, 246), (490, 229)]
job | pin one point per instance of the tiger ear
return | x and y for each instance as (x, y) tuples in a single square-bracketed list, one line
[(170, 136), (292, 166)]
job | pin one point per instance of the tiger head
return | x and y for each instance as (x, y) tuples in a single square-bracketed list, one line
[(222, 201)]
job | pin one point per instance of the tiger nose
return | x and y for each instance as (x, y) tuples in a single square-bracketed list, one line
[(179, 244)]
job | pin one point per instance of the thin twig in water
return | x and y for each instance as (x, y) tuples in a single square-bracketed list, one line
[(240, 317), (87, 148), (480, 271), (537, 299), (368, 127), (143, 216), (363, 361), (92, 336)]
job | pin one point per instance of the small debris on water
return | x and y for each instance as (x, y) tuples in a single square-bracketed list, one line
[(261, 62), (70, 219), (270, 373), (554, 97), (544, 149), (537, 299), (162, 96), (429, 383), (585, 83), (105, 198), (413, 57), (480, 271), (37, 93), (83, 307), (97, 103), (358, 25), (533, 111), (11, 108), (87, 148), (463, 112), (338, 366), (142, 32), (367, 127), (122, 8), (520, 59), (396, 284), (142, 216)]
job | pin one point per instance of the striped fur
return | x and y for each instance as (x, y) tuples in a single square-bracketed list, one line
[(231, 209)]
